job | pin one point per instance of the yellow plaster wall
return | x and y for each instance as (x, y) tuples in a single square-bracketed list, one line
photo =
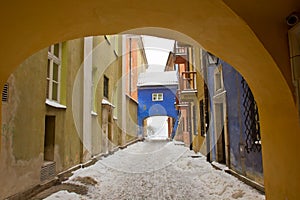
[(199, 141), (68, 146), (106, 63), (23, 127), (253, 41), (72, 144)]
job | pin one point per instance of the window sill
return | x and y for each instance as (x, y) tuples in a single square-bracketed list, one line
[(129, 97), (55, 104), (106, 102), (93, 113)]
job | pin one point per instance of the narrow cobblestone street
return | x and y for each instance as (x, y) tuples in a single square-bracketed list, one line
[(156, 170)]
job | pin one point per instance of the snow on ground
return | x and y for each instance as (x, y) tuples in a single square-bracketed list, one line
[(158, 170), (65, 195)]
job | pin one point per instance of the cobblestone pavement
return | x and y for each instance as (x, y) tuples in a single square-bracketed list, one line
[(156, 170)]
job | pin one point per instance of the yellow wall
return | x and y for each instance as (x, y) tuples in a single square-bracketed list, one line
[(70, 144), (106, 63), (199, 141), (24, 121), (23, 126), (251, 36), (131, 119)]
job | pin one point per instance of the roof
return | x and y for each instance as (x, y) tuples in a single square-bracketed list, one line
[(157, 78)]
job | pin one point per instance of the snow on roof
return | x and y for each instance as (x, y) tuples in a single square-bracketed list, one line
[(105, 102), (157, 78)]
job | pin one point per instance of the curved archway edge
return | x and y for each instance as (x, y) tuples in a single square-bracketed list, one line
[(212, 23)]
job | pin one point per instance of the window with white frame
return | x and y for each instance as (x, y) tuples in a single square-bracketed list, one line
[(157, 96), (218, 79), (53, 72)]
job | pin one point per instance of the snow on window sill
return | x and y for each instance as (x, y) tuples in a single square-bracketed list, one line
[(105, 102), (55, 104), (93, 113)]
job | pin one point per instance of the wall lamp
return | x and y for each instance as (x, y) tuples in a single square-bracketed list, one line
[(293, 19)]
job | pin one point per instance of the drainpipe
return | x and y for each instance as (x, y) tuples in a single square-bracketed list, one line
[(130, 66), (124, 77), (87, 95)]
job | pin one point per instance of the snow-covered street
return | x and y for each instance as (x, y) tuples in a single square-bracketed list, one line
[(156, 170)]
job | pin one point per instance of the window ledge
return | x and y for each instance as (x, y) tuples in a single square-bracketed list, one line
[(106, 102), (55, 104), (93, 113), (129, 97)]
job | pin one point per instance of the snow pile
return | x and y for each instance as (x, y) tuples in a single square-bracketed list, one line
[(158, 170), (64, 195)]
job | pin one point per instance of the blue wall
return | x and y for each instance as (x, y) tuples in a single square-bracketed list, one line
[(240, 161), (148, 108)]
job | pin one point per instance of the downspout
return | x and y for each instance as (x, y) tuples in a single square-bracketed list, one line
[(130, 67), (87, 95)]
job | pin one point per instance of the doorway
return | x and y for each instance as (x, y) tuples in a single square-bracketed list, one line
[(49, 140)]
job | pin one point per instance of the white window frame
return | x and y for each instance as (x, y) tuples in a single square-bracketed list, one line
[(57, 60), (218, 79), (157, 96)]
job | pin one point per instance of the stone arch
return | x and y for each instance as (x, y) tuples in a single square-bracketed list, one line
[(239, 39)]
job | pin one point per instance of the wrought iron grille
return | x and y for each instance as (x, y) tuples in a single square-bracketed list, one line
[(252, 126)]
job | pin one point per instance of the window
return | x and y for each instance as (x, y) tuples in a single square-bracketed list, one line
[(105, 87), (202, 123), (195, 120), (157, 96), (218, 79), (53, 72)]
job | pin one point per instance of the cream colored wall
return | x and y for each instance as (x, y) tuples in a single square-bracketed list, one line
[(248, 35), (106, 63), (68, 147), (200, 141), (71, 142), (131, 119), (23, 122)]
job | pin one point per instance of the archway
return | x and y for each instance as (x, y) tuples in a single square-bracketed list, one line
[(245, 44), (158, 127)]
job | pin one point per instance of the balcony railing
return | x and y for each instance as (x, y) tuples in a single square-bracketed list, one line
[(181, 51), (187, 81)]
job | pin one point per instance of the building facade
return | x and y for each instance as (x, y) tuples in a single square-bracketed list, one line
[(77, 114), (134, 63), (233, 137), (36, 145), (186, 61), (157, 97)]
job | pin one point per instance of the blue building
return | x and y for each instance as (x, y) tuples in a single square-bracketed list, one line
[(233, 136), (156, 97)]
